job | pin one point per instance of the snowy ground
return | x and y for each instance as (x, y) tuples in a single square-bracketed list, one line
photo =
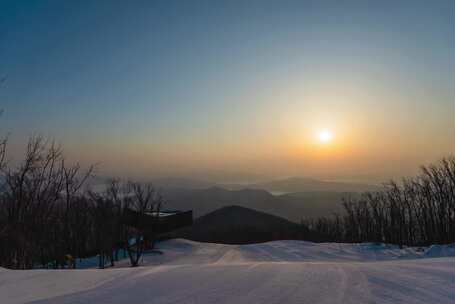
[(275, 272)]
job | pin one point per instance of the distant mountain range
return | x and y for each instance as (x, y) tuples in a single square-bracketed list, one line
[(293, 207), (239, 225), (292, 198), (279, 186), (303, 184), (181, 183)]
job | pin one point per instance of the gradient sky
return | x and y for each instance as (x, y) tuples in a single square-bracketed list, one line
[(151, 88)]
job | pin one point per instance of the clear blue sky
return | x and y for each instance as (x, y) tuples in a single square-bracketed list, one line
[(164, 87)]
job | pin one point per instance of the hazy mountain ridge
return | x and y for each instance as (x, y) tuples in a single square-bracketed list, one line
[(281, 186), (303, 198), (304, 184), (310, 198), (181, 182), (292, 207)]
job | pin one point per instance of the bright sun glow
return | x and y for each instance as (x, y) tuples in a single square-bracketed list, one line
[(325, 136)]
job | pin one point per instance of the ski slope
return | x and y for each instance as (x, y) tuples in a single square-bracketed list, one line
[(274, 272)]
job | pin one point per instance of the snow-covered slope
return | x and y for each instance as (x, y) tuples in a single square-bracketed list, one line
[(275, 272)]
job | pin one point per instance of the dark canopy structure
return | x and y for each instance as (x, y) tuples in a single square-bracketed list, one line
[(156, 223)]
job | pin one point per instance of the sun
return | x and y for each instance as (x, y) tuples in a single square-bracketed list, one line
[(325, 136)]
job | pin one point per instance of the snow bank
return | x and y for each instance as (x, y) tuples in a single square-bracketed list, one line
[(274, 272), (435, 251)]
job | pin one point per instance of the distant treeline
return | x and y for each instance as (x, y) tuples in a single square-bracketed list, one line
[(418, 211), (48, 220)]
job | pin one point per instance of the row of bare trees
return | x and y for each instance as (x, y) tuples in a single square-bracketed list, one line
[(49, 218), (418, 211)]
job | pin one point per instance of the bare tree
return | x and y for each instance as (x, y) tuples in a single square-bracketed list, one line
[(144, 201), (419, 211), (37, 222)]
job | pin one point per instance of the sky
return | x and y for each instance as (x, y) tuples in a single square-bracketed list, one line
[(183, 88)]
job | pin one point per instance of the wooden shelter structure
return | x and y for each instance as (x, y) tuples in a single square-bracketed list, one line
[(155, 223)]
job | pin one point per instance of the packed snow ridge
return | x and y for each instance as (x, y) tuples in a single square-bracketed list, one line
[(274, 272)]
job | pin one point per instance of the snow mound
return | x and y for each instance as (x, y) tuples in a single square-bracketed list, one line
[(274, 272), (435, 251)]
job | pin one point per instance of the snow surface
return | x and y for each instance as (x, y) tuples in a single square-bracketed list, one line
[(274, 272)]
